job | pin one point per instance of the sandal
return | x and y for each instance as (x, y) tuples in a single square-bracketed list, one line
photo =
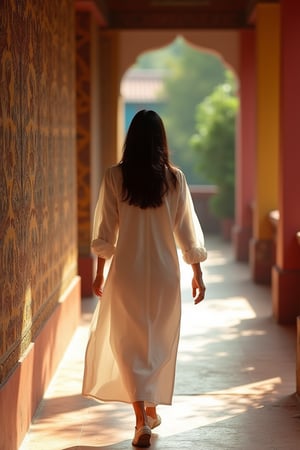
[(153, 423), (142, 437)]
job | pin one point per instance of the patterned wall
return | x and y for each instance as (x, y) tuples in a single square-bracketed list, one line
[(38, 211), (83, 109)]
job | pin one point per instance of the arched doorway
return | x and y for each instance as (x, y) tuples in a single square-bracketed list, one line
[(174, 80)]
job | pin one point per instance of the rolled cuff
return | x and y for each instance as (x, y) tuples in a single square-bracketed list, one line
[(102, 248), (194, 255)]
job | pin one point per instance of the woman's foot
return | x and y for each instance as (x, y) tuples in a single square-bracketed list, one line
[(154, 420), (153, 423), (142, 437)]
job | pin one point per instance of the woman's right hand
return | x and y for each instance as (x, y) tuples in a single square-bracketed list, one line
[(98, 285), (198, 288)]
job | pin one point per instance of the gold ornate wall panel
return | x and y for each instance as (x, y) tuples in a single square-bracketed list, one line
[(38, 210), (83, 108)]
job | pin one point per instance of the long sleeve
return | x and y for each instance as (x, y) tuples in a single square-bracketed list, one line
[(188, 232), (106, 219)]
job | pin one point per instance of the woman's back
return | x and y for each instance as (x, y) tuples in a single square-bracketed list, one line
[(146, 235)]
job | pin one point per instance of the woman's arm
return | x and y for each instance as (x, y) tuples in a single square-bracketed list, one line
[(198, 286), (99, 278)]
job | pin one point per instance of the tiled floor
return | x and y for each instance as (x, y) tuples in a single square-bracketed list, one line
[(235, 379)]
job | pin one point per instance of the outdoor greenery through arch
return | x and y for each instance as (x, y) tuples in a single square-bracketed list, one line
[(214, 142)]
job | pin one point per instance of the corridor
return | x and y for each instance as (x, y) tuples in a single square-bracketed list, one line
[(235, 379)]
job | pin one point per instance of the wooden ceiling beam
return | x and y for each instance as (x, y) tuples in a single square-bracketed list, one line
[(173, 19), (97, 8)]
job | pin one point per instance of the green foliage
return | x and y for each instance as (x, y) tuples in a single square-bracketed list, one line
[(162, 58), (215, 144), (191, 76)]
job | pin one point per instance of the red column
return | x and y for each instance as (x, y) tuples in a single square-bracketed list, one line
[(286, 272), (245, 149)]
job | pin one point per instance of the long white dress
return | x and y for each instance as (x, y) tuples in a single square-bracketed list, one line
[(132, 348)]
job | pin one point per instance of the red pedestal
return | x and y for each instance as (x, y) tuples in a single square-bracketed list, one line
[(241, 237), (262, 258), (298, 357), (285, 295)]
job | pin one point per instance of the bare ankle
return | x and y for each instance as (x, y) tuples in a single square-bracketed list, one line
[(140, 414), (151, 411)]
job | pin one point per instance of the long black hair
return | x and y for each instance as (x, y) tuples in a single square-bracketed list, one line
[(145, 161)]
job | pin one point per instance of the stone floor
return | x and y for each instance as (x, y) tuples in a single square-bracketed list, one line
[(235, 380)]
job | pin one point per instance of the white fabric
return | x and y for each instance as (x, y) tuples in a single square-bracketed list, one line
[(132, 349)]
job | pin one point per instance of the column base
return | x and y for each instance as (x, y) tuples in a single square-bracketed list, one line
[(298, 358), (262, 258), (241, 237), (285, 295), (86, 272)]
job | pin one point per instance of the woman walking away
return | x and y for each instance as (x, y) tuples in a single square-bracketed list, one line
[(143, 212)]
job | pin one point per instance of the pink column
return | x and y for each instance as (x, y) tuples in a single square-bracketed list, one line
[(245, 149), (286, 272)]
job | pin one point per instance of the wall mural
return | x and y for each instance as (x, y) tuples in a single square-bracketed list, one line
[(38, 215)]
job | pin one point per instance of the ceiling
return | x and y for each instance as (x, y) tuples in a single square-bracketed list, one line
[(166, 14)]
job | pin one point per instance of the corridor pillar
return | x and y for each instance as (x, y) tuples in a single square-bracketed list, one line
[(245, 148), (111, 114), (267, 145), (88, 135), (97, 92), (286, 272)]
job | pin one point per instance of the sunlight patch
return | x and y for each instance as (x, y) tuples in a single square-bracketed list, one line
[(190, 412)]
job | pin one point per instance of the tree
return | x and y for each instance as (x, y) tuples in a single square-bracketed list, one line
[(214, 143)]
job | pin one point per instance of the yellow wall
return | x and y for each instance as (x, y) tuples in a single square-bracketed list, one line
[(268, 77)]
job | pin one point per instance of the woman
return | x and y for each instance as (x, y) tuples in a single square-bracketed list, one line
[(144, 210)]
